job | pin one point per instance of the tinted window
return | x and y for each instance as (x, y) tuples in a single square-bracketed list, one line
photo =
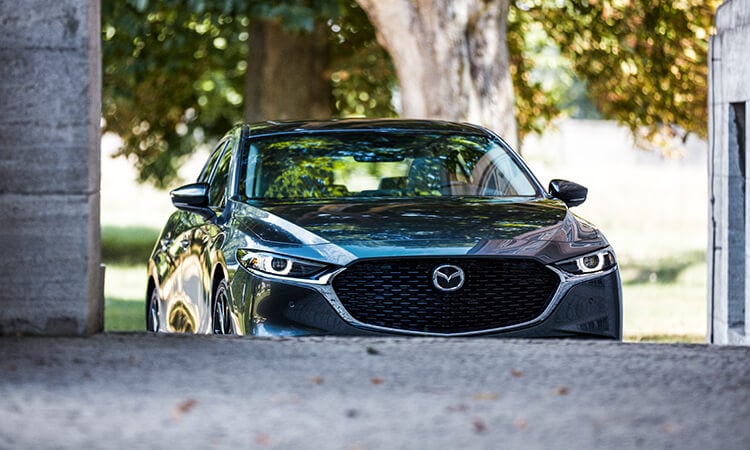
[(382, 165)]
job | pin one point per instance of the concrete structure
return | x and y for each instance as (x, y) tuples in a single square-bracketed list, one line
[(50, 98), (729, 111)]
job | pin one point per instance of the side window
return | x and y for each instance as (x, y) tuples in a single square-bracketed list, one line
[(217, 193), (209, 167)]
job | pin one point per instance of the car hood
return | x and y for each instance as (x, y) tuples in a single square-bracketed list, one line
[(541, 228)]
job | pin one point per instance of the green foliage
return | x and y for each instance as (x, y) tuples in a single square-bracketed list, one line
[(361, 71), (174, 70), (124, 315), (535, 106), (129, 245), (544, 82), (170, 78), (644, 61), (294, 14)]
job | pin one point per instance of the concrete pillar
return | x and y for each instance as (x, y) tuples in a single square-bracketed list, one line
[(729, 168), (50, 103)]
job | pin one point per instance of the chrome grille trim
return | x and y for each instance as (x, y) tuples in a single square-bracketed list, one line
[(567, 282)]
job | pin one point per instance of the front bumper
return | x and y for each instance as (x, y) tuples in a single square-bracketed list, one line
[(589, 307)]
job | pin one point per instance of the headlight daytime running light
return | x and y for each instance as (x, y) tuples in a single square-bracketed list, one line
[(593, 262), (278, 265)]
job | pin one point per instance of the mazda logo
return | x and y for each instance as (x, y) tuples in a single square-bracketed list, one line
[(448, 278)]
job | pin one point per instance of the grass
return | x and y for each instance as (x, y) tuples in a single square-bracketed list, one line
[(124, 315), (668, 338), (125, 251), (124, 298), (663, 310), (127, 245), (666, 297)]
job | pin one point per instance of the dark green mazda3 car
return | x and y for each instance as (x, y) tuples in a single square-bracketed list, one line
[(379, 227)]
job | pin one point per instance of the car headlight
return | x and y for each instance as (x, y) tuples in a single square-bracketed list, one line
[(279, 265), (593, 262)]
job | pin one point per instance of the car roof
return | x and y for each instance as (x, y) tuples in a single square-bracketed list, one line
[(347, 125)]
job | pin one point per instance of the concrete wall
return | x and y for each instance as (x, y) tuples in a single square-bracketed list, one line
[(50, 102), (729, 206)]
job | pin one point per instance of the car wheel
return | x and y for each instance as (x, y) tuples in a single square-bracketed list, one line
[(152, 311), (222, 321)]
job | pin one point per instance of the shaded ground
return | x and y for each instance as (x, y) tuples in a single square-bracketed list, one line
[(136, 390)]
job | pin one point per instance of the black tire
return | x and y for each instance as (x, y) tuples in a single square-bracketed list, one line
[(153, 307), (221, 316)]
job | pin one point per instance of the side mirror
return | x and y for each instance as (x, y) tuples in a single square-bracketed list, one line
[(573, 194), (193, 198)]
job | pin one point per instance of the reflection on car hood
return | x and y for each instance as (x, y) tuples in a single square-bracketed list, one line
[(540, 228)]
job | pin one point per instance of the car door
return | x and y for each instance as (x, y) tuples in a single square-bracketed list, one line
[(174, 245), (208, 233), (167, 259), (192, 278)]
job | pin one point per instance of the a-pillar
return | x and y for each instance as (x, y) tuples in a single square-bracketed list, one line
[(50, 102)]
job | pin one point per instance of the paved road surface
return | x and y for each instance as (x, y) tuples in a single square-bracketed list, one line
[(146, 391)]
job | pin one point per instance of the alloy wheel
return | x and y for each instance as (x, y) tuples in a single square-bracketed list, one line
[(152, 317), (222, 322)]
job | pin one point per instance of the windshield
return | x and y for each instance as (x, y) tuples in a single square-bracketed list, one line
[(380, 164)]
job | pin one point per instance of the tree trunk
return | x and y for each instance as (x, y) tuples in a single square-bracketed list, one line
[(451, 58), (285, 73)]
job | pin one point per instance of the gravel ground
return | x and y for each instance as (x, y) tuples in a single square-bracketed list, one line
[(138, 390)]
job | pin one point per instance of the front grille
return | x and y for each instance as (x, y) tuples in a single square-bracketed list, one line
[(399, 294)]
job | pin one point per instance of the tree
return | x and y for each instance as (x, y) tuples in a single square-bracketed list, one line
[(169, 78), (178, 72), (644, 62), (287, 54), (451, 58), (285, 76)]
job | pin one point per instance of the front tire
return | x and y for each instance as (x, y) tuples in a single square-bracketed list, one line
[(152, 311), (222, 319)]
